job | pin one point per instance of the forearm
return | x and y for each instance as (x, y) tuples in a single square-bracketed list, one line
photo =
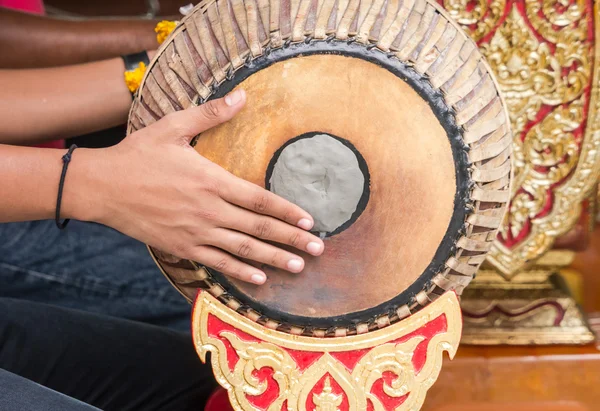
[(29, 179), (29, 41), (154, 187), (46, 104)]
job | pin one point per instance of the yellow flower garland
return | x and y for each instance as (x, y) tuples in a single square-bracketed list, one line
[(163, 29), (133, 78)]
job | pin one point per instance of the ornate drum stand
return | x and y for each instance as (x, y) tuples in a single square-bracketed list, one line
[(545, 54), (388, 369), (383, 121)]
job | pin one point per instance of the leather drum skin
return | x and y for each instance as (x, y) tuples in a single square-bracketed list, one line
[(380, 119)]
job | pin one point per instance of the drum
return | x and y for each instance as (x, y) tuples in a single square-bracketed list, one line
[(380, 118)]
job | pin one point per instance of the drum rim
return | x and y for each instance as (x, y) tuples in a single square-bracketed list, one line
[(481, 227), (462, 202)]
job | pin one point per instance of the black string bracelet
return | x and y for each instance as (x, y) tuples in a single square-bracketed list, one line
[(66, 160)]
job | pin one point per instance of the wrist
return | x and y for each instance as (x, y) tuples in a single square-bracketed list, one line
[(84, 188)]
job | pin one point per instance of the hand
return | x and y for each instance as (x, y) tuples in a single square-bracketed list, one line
[(155, 187)]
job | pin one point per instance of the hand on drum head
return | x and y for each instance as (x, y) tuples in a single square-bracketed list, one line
[(155, 187)]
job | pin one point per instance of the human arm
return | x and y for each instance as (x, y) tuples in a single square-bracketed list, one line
[(61, 102), (30, 41), (155, 187)]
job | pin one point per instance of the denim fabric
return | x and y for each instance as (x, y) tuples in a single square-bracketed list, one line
[(20, 394), (90, 267), (107, 362)]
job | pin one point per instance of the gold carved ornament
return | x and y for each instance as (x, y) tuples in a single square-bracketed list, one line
[(543, 56), (388, 350)]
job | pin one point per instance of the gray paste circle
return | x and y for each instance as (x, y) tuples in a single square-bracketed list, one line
[(322, 175)]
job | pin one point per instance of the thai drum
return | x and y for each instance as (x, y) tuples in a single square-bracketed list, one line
[(378, 117)]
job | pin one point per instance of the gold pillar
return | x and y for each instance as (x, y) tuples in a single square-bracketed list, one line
[(546, 59)]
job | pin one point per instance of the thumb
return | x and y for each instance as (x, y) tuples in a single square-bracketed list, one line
[(189, 123)]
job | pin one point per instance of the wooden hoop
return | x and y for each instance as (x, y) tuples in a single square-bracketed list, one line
[(219, 37)]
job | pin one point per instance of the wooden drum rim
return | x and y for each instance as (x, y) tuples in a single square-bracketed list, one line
[(437, 60)]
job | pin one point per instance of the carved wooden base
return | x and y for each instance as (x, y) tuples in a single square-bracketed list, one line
[(550, 378), (533, 308), (387, 369)]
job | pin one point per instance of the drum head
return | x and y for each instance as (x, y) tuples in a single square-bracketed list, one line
[(381, 120)]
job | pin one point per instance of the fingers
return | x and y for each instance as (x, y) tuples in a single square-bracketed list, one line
[(261, 201), (228, 265), (250, 248), (189, 123), (271, 229)]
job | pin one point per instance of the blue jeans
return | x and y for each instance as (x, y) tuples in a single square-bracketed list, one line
[(88, 267), (74, 354), (18, 393)]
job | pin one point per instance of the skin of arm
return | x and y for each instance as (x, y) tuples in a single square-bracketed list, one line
[(30, 41), (60, 102), (153, 186), (165, 8)]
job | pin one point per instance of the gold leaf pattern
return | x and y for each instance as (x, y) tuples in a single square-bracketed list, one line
[(542, 57), (296, 386)]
